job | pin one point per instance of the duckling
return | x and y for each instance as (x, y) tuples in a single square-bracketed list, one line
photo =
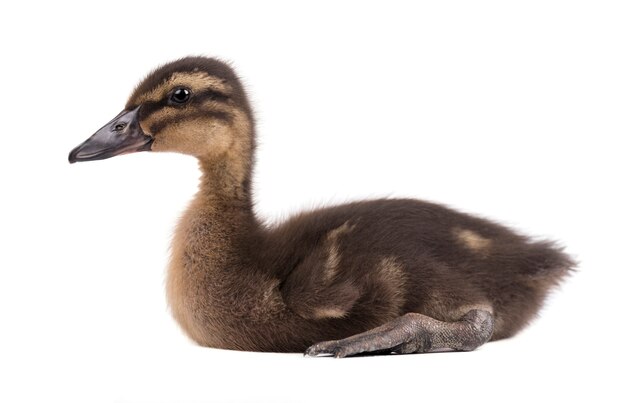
[(376, 276)]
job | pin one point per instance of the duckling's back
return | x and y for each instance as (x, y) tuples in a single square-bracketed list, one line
[(376, 260)]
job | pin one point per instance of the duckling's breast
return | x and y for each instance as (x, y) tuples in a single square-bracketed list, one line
[(218, 301)]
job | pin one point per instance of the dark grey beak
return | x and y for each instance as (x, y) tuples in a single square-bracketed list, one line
[(122, 135)]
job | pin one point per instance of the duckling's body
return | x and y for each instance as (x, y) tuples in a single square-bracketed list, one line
[(414, 276)]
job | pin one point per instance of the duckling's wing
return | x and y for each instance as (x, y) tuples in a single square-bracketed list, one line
[(313, 291)]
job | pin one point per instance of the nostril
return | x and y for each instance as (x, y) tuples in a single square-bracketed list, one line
[(119, 127)]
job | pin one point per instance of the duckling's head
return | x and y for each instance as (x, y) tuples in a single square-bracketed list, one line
[(195, 106)]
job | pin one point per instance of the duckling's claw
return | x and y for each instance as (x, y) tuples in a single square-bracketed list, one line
[(331, 348)]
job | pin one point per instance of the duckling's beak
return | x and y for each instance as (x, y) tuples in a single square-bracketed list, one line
[(122, 135)]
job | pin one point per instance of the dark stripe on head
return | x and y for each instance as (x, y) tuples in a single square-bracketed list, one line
[(156, 127), (209, 95), (149, 108)]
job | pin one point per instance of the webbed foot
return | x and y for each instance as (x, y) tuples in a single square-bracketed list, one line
[(413, 333)]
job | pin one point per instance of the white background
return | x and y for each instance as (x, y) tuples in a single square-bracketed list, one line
[(511, 111)]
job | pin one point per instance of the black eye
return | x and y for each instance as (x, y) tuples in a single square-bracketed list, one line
[(180, 95)]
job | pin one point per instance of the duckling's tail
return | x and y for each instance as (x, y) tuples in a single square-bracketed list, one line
[(540, 268), (548, 264)]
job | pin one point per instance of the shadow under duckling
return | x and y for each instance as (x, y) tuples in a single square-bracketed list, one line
[(390, 275)]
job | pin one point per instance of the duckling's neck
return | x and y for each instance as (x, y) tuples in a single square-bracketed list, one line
[(213, 254), (225, 181), (226, 175), (223, 205), (224, 202)]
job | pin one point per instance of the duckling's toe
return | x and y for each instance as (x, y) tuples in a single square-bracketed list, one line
[(332, 348), (346, 348)]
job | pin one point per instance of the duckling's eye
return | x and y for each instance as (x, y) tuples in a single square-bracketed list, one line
[(180, 95)]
